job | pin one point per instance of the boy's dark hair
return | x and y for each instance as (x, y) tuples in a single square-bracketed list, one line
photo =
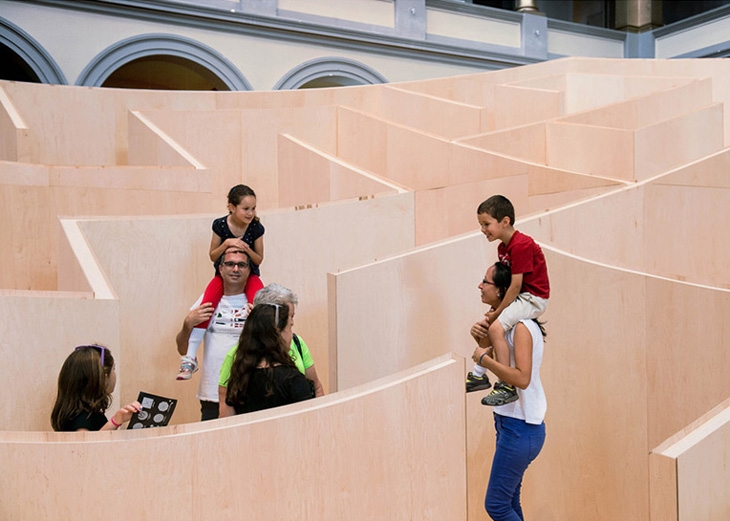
[(499, 207)]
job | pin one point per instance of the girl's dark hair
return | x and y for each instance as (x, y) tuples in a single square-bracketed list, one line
[(237, 193), (82, 385), (502, 280), (260, 340)]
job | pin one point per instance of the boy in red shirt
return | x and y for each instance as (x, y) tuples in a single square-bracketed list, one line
[(526, 298)]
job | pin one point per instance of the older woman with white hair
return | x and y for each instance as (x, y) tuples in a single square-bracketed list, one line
[(278, 294)]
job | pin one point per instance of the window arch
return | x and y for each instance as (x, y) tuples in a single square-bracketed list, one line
[(329, 72), (167, 45), (30, 54)]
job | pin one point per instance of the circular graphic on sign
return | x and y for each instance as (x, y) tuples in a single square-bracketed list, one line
[(159, 418), (142, 415), (163, 406), (138, 426)]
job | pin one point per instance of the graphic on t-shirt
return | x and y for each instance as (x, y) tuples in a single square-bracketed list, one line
[(230, 317)]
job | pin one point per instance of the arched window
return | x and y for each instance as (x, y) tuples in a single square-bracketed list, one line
[(162, 61), (24, 59), (329, 72)]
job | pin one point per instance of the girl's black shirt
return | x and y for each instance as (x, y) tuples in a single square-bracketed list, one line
[(91, 421), (289, 386)]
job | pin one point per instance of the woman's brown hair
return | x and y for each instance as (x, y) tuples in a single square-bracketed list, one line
[(260, 340)]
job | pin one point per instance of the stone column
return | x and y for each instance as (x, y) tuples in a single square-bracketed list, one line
[(638, 15), (527, 6)]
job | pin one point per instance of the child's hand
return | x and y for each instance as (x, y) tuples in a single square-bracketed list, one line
[(235, 242), (125, 413)]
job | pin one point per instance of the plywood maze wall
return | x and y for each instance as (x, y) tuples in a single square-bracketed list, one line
[(619, 168)]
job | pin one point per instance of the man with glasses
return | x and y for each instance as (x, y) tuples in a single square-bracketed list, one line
[(223, 331)]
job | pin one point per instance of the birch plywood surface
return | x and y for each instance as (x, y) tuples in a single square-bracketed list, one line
[(430, 114), (688, 470), (368, 195), (703, 475), (401, 458), (36, 351)]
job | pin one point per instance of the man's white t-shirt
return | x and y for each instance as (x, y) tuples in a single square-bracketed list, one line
[(222, 334)]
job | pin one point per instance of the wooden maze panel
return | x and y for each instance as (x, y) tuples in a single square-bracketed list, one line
[(625, 348), (376, 447)]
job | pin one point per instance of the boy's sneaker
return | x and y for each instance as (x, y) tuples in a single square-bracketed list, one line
[(477, 383), (187, 367), (502, 394)]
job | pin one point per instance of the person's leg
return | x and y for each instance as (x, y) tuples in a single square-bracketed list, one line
[(477, 379), (536, 436), (189, 362), (213, 294), (534, 306), (516, 504), (504, 393), (208, 410), (496, 337), (506, 474), (518, 444), (253, 285)]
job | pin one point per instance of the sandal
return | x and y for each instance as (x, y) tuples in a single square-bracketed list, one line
[(188, 366)]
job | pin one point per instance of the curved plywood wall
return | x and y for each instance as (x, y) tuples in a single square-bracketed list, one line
[(368, 195), (313, 460)]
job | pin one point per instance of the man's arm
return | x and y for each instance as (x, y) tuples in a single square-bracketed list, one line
[(193, 318)]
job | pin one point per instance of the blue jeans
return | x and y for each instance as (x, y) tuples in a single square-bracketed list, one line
[(518, 443)]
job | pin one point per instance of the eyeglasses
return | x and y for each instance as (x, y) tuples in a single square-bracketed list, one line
[(485, 281), (241, 265), (99, 349)]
